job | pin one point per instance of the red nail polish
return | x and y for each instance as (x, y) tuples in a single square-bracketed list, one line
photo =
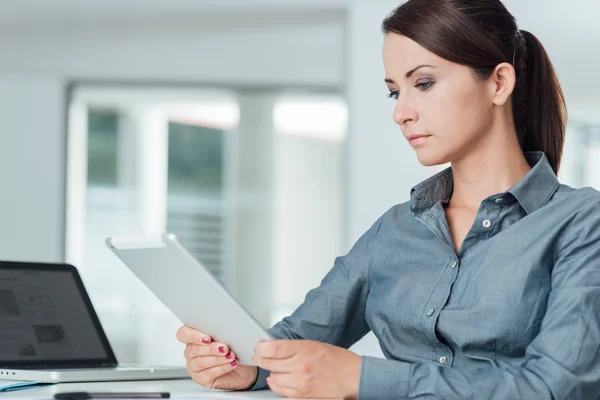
[(228, 356), (234, 363), (222, 349), (205, 340)]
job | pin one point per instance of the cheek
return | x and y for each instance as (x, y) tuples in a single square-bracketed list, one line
[(458, 114)]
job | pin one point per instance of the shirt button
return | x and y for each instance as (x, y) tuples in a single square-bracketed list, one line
[(431, 217), (443, 360), (454, 264), (499, 200), (487, 223), (430, 312)]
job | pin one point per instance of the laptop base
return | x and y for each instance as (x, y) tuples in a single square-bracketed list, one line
[(94, 374)]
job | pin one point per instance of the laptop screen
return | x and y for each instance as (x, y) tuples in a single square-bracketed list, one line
[(46, 318)]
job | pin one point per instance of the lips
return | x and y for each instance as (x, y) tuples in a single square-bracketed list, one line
[(417, 139)]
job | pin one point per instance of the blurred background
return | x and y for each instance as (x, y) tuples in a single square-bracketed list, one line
[(258, 131)]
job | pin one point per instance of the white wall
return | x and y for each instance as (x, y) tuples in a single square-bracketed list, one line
[(35, 10), (308, 216), (32, 172), (194, 48), (255, 200)]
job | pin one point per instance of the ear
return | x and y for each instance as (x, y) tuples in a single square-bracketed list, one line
[(502, 83)]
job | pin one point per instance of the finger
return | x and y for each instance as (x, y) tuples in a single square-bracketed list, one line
[(214, 349), (277, 348), (218, 349), (284, 391), (284, 380), (195, 350), (213, 373), (186, 334), (199, 364), (284, 365)]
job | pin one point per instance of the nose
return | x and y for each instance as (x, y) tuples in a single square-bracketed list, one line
[(404, 113)]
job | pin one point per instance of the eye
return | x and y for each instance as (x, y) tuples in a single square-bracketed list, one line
[(424, 85), (394, 94)]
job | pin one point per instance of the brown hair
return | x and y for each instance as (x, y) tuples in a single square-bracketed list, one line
[(481, 34)]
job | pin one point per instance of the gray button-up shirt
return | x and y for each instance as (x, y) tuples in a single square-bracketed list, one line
[(514, 315)]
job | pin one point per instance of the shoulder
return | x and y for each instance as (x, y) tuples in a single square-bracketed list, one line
[(583, 202), (394, 219), (578, 196), (578, 248), (582, 219), (397, 214)]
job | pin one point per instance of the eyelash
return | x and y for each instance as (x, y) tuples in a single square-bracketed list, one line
[(423, 86)]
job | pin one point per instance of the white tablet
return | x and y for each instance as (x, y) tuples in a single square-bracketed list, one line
[(190, 291)]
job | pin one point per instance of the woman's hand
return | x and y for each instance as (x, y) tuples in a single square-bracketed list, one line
[(212, 365), (304, 368)]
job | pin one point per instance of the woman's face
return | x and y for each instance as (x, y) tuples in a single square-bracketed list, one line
[(444, 101)]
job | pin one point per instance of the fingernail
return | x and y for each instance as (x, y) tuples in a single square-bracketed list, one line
[(228, 356), (205, 340), (234, 363), (222, 349)]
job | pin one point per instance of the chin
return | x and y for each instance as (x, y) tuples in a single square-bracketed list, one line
[(431, 158)]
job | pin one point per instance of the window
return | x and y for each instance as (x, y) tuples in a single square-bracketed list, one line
[(153, 162), (103, 131), (250, 183), (195, 191)]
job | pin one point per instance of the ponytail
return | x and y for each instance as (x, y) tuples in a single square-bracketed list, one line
[(538, 102)]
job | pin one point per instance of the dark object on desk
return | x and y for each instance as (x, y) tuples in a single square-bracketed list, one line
[(124, 395), (13, 386)]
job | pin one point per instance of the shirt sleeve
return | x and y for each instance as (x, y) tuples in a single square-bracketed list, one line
[(562, 362), (334, 312)]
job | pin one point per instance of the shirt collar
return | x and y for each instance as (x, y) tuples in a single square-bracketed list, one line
[(533, 191)]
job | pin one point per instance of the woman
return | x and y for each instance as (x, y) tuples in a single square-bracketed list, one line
[(486, 283)]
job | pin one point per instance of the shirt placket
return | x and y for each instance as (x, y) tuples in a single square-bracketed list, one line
[(441, 353), (435, 221)]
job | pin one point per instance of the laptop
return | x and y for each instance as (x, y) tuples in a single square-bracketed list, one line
[(49, 330)]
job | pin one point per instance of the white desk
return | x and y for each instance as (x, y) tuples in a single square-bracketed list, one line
[(184, 389)]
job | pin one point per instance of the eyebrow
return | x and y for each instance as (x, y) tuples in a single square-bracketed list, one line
[(409, 73)]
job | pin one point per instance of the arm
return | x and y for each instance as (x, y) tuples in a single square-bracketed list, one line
[(334, 312), (562, 362)]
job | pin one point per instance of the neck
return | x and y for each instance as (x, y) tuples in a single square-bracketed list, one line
[(494, 166)]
